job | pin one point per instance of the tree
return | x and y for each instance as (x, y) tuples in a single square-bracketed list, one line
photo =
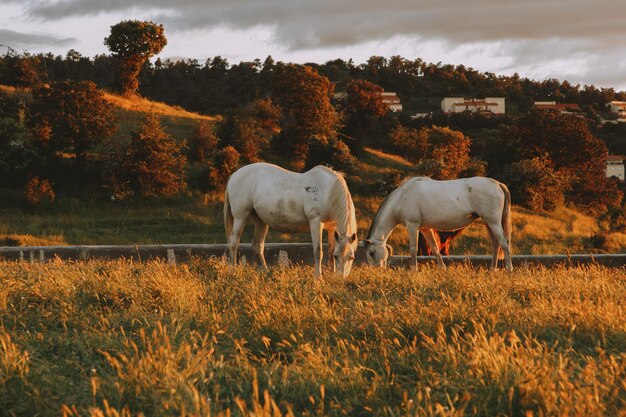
[(439, 152), (226, 162), (334, 154), (71, 117), (408, 142), (26, 73), (304, 96), (570, 146), (364, 108), (365, 98), (133, 42), (205, 143), (17, 150), (534, 184), (450, 148), (154, 163), (250, 129)]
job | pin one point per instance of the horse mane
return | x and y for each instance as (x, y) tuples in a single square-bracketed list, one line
[(383, 204), (338, 203)]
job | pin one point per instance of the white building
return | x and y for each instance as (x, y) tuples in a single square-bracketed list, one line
[(563, 108), (392, 101), (615, 166), (618, 108), (488, 105)]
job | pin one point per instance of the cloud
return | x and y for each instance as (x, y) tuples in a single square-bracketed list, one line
[(324, 23), (17, 40), (535, 35)]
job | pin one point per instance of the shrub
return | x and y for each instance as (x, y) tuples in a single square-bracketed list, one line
[(38, 191), (226, 162), (335, 154)]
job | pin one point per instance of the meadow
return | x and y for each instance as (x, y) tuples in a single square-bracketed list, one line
[(121, 338)]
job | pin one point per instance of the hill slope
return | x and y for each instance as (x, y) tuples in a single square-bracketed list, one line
[(192, 219)]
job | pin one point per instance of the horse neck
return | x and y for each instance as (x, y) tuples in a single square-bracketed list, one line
[(384, 221), (341, 208)]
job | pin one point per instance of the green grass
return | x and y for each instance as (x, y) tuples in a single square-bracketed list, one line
[(98, 338), (186, 219)]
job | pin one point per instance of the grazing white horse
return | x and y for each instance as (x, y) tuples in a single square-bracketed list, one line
[(424, 204), (286, 201)]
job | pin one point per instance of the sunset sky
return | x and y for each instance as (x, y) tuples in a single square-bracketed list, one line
[(578, 40)]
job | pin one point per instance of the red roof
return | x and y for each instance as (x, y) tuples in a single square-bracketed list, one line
[(615, 158), (475, 103), (559, 106)]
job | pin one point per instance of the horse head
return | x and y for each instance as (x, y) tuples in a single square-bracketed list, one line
[(377, 251), (345, 248)]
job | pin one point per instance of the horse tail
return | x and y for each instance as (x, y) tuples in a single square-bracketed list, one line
[(228, 215), (506, 218)]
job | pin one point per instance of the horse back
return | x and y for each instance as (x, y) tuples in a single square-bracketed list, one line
[(451, 204)]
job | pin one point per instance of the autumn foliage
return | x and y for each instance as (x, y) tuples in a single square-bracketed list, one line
[(154, 163)]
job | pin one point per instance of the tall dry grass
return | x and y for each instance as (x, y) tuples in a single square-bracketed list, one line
[(122, 338)]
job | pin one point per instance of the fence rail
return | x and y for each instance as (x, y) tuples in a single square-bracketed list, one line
[(294, 252)]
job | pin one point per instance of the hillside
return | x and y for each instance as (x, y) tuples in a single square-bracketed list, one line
[(194, 218)]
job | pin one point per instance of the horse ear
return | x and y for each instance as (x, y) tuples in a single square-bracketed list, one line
[(389, 249), (336, 235), (365, 242), (353, 238)]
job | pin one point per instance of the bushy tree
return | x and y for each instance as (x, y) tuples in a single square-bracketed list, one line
[(72, 118), (226, 162), (450, 147), (154, 163), (408, 142), (17, 150), (439, 152), (133, 42), (26, 72), (334, 154), (535, 184), (204, 145), (38, 192), (571, 148), (251, 129), (304, 97), (364, 108)]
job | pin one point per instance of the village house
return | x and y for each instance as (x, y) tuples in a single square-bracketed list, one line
[(563, 108), (618, 108), (392, 101), (487, 105), (615, 166)]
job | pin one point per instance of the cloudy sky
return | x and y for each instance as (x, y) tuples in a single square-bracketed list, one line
[(583, 41)]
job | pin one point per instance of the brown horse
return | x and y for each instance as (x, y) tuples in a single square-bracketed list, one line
[(443, 239)]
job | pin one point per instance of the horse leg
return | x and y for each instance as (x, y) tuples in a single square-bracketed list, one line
[(258, 240), (316, 238), (235, 235), (495, 248), (498, 233), (331, 248), (414, 232), (429, 235)]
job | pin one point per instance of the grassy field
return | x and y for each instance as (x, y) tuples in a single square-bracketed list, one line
[(187, 219), (122, 338)]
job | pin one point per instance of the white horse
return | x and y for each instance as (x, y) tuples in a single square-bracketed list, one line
[(423, 204), (286, 201)]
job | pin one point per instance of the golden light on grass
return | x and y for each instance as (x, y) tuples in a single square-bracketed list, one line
[(140, 104), (206, 339)]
